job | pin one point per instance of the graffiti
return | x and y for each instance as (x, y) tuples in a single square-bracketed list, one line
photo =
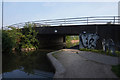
[(88, 40), (108, 45)]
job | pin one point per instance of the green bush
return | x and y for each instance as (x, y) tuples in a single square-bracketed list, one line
[(16, 35), (7, 43), (69, 38), (116, 70), (29, 38), (19, 38)]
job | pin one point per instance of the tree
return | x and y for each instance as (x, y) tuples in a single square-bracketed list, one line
[(16, 35), (7, 43), (29, 38)]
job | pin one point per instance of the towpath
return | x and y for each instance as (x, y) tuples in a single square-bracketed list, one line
[(81, 64)]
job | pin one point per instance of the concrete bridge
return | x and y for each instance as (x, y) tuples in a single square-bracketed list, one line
[(53, 32), (56, 34)]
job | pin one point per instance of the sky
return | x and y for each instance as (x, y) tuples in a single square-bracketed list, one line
[(17, 12)]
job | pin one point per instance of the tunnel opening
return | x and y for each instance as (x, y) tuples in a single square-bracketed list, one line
[(72, 41)]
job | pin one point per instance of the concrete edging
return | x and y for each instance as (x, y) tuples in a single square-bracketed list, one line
[(60, 70)]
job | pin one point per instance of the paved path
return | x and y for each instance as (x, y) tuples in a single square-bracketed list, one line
[(100, 58), (79, 67)]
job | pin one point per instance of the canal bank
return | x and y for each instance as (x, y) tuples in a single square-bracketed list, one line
[(29, 64), (73, 65), (59, 68)]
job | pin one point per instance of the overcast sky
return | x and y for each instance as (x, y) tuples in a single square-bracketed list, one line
[(16, 12)]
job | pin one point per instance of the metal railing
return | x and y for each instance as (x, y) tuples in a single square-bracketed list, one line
[(71, 21)]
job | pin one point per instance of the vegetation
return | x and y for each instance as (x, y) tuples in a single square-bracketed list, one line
[(116, 70), (15, 35), (7, 43), (100, 51), (55, 53), (24, 61), (69, 39), (19, 38), (29, 38)]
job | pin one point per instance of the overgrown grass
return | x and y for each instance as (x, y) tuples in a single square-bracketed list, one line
[(55, 53), (101, 52), (116, 70)]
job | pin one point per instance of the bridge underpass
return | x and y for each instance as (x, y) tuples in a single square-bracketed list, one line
[(51, 41), (53, 32)]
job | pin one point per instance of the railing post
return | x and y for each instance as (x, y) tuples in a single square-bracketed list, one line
[(64, 21), (114, 20), (46, 23), (118, 19), (87, 20)]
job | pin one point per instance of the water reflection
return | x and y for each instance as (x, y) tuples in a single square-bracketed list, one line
[(21, 74), (33, 64), (27, 65)]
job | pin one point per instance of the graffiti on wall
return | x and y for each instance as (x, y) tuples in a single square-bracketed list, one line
[(88, 40), (108, 45)]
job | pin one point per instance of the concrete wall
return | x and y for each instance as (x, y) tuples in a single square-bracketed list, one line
[(66, 30), (77, 29)]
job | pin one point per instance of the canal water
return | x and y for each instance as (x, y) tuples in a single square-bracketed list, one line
[(27, 65), (34, 64)]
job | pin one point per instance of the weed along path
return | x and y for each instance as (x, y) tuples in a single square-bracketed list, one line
[(79, 66)]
